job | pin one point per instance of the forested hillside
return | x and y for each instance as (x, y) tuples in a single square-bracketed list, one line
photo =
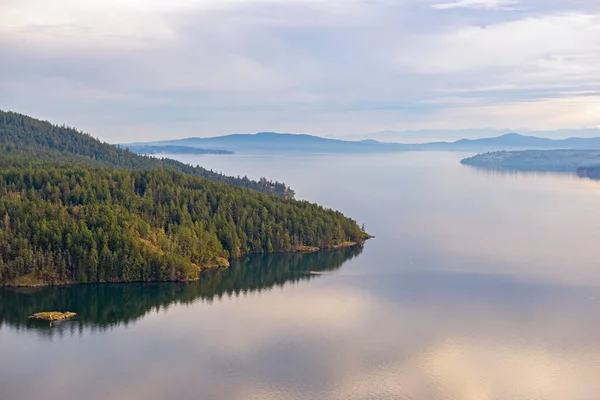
[(21, 135), (66, 223)]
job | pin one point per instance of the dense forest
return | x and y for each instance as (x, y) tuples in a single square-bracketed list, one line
[(23, 136), (63, 223), (73, 209)]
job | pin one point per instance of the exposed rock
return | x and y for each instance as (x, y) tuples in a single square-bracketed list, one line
[(53, 316)]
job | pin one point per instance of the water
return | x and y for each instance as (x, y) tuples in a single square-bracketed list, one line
[(478, 286)]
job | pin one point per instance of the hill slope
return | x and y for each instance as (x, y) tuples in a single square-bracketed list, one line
[(63, 223), (73, 209), (21, 135)]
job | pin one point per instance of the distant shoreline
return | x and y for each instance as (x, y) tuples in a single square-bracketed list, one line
[(583, 163), (289, 143)]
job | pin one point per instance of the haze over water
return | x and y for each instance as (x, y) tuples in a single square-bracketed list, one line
[(478, 286)]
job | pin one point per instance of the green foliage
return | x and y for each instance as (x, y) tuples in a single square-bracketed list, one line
[(65, 223), (21, 135), (74, 209)]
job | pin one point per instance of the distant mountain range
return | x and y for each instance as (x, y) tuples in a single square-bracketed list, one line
[(279, 143), (513, 141), (437, 135), (271, 142)]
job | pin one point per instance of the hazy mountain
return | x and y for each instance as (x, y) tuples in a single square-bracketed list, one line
[(433, 135), (448, 135), (292, 143), (281, 143), (514, 141)]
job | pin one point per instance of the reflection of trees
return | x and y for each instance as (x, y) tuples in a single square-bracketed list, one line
[(106, 305)]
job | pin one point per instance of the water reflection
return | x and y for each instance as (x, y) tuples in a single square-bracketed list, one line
[(108, 305), (516, 173), (476, 288)]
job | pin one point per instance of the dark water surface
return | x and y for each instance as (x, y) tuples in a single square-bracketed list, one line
[(478, 286)]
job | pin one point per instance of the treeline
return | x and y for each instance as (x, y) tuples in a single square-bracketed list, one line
[(21, 135), (592, 172), (63, 223)]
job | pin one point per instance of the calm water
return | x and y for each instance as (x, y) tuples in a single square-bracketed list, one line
[(478, 286)]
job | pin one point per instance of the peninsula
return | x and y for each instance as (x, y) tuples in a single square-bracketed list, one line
[(585, 163), (75, 210), (158, 149)]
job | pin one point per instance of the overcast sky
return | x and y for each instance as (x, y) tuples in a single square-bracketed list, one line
[(128, 70)]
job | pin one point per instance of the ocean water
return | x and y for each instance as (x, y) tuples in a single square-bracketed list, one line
[(477, 286)]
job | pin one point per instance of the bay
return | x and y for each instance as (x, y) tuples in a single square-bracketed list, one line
[(477, 286)]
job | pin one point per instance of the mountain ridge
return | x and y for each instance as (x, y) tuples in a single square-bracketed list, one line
[(275, 141), (305, 143), (436, 135)]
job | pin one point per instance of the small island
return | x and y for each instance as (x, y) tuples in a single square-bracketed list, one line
[(53, 316)]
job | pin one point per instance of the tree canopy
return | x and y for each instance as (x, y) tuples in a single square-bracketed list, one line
[(73, 209), (21, 135)]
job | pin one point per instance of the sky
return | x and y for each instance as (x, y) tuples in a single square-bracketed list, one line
[(133, 70)]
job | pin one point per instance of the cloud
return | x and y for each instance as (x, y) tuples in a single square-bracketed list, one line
[(199, 67), (561, 44), (486, 4)]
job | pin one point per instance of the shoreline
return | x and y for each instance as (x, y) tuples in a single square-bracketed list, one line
[(297, 250)]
